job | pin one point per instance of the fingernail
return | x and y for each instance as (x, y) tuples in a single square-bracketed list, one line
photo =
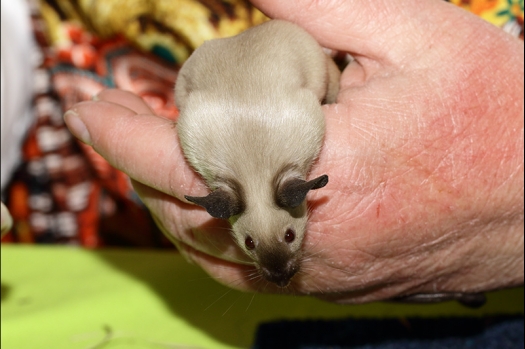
[(187, 257), (183, 252), (7, 220), (77, 127)]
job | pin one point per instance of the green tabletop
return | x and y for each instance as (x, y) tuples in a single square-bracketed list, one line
[(67, 297)]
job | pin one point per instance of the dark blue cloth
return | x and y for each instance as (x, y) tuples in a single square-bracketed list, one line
[(413, 333)]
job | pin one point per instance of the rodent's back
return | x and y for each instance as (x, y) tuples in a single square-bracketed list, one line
[(251, 103), (274, 56)]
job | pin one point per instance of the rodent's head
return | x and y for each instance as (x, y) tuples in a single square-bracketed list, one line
[(254, 155), (269, 227), (272, 238)]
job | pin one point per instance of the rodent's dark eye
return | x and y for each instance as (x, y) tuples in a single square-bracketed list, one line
[(289, 236), (249, 243)]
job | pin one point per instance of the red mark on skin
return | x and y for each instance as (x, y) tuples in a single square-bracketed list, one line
[(378, 210)]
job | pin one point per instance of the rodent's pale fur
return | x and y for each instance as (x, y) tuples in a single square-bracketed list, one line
[(250, 120)]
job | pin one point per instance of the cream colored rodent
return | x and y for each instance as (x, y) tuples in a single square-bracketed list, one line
[(251, 124)]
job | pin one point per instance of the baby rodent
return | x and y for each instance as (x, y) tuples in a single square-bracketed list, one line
[(251, 124)]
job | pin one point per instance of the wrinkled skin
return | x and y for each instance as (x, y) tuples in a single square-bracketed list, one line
[(424, 149)]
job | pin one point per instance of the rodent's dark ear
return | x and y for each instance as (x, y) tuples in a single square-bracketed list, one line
[(292, 193), (219, 203)]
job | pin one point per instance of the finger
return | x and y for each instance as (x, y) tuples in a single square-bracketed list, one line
[(191, 225), (126, 99), (170, 237), (353, 75), (144, 146), (237, 276), (7, 220), (380, 30), (233, 275)]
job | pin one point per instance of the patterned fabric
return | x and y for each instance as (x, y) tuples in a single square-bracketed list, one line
[(506, 14), (65, 192)]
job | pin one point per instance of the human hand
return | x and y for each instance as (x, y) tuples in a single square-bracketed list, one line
[(424, 149)]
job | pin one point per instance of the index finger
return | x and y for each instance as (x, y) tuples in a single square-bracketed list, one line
[(126, 99), (144, 146)]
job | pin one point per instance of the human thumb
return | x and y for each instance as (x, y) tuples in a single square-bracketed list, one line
[(389, 32)]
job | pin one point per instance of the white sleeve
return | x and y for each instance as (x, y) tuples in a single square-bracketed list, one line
[(17, 57)]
